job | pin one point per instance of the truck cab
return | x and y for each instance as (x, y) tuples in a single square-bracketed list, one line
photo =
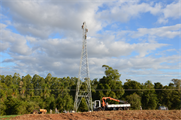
[(97, 105)]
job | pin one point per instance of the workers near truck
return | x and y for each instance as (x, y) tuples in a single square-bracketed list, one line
[(56, 111), (50, 111)]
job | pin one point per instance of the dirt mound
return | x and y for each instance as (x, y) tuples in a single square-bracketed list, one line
[(107, 115)]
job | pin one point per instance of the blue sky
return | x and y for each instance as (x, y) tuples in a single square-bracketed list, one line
[(140, 38)]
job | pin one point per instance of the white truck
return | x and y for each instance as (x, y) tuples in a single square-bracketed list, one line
[(105, 106)]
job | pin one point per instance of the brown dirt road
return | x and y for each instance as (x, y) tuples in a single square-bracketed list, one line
[(108, 115)]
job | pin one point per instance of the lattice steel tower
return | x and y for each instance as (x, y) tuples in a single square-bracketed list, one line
[(83, 75)]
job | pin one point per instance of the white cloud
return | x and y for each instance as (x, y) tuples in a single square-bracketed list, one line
[(33, 18), (171, 11), (107, 46), (123, 11), (165, 31), (34, 52), (4, 46), (162, 20), (2, 26), (140, 69), (163, 53), (15, 42), (63, 55)]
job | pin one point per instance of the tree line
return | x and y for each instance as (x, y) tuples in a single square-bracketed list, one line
[(23, 95)]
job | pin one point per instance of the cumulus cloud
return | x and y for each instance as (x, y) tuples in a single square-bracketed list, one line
[(15, 42), (63, 55), (110, 48), (33, 18), (123, 11), (165, 31), (170, 11), (34, 51), (140, 69)]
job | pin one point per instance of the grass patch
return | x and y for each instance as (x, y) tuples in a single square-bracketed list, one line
[(7, 117)]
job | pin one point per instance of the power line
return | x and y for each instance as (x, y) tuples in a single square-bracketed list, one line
[(93, 89)]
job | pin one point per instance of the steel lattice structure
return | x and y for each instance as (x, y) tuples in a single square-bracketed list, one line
[(83, 76)]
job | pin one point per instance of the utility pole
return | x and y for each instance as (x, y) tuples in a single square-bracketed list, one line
[(83, 75)]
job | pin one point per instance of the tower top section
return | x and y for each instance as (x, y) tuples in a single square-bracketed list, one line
[(84, 27)]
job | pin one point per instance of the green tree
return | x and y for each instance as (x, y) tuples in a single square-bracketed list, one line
[(28, 85), (22, 108), (167, 96), (2, 78), (177, 83), (175, 100), (64, 102), (83, 105), (131, 84), (31, 105), (36, 84), (3, 94), (158, 86), (47, 85), (94, 84), (2, 108), (171, 97), (110, 84), (16, 79), (134, 100), (149, 99), (50, 102), (8, 80), (12, 104)]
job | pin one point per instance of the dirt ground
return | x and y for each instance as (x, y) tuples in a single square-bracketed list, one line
[(108, 115)]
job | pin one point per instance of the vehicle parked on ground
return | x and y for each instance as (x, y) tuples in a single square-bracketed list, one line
[(162, 108), (40, 111), (105, 106)]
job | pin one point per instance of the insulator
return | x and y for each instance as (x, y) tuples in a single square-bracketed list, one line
[(85, 36), (86, 30), (82, 26)]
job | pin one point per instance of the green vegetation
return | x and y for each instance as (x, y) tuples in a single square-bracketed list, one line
[(7, 117), (23, 95)]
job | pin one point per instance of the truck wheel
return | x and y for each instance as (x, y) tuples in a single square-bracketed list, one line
[(120, 109), (99, 109), (35, 112), (126, 108), (39, 112)]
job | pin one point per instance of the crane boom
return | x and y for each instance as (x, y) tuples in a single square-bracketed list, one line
[(110, 98)]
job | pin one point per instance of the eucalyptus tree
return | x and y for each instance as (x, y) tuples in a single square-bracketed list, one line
[(47, 85), (2, 78), (3, 95), (110, 84), (149, 99), (36, 80), (28, 85), (171, 96), (134, 100), (133, 86), (158, 86)]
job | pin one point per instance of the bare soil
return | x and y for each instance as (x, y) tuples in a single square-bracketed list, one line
[(107, 115)]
